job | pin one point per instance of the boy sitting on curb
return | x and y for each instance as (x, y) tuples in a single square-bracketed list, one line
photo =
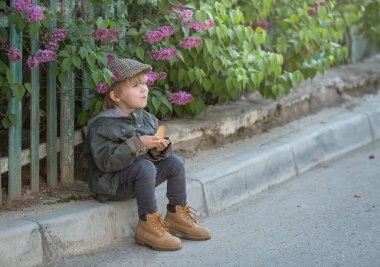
[(127, 160)]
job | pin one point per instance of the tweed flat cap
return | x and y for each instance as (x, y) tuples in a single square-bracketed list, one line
[(127, 68)]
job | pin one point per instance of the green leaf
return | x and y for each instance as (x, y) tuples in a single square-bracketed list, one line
[(207, 84), (140, 53), (28, 87), (98, 106), (107, 74), (34, 28), (77, 62), (156, 103), (66, 64), (12, 118), (97, 76), (132, 32), (18, 91), (294, 18), (64, 53), (53, 72), (178, 110), (62, 77), (9, 76), (13, 18), (166, 102), (217, 65), (5, 123), (83, 52), (20, 25), (91, 61), (83, 118), (99, 22)]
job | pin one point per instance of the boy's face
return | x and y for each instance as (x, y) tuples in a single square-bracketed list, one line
[(134, 96)]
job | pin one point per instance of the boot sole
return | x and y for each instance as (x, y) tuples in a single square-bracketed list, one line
[(145, 243), (188, 237)]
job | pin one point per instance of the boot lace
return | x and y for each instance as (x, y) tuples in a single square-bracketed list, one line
[(190, 214), (159, 224)]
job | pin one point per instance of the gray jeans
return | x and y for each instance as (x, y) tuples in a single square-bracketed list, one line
[(142, 176)]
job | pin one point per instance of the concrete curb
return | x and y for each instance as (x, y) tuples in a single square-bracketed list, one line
[(90, 225)]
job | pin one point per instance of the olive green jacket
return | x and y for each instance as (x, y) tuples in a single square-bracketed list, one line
[(112, 144)]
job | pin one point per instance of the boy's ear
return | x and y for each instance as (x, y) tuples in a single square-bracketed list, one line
[(114, 96)]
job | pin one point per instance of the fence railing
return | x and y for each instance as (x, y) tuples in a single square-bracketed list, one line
[(69, 138)]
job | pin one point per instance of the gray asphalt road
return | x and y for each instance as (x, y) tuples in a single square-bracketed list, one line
[(329, 216)]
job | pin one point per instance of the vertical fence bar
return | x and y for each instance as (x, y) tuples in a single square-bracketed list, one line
[(88, 9), (67, 113), (35, 121), (14, 172), (51, 140)]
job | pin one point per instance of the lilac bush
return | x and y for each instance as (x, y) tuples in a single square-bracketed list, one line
[(181, 98)]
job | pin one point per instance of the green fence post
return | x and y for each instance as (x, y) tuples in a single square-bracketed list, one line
[(35, 121), (51, 140), (14, 154), (67, 113), (86, 96)]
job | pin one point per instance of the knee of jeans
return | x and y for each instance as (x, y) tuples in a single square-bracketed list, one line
[(177, 162), (146, 170)]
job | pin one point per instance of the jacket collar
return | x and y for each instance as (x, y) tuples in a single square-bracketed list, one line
[(114, 112)]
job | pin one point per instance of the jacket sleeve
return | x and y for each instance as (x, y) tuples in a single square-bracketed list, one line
[(112, 154)]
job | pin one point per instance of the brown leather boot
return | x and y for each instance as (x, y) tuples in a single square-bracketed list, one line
[(183, 222), (153, 233)]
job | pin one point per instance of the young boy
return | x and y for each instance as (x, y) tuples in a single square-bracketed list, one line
[(127, 160)]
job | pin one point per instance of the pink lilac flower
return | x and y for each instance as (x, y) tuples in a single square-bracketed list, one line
[(45, 55), (313, 12), (14, 54), (197, 26), (59, 34), (181, 98), (314, 8), (116, 75), (153, 37), (110, 57), (163, 54), (52, 45), (190, 42), (185, 15), (102, 88), (262, 24), (34, 13), (32, 62), (21, 5), (166, 30), (153, 76), (106, 35)]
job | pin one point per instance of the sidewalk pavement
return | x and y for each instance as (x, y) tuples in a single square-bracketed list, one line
[(212, 186)]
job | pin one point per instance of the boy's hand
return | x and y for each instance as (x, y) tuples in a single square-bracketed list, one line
[(163, 145), (150, 141)]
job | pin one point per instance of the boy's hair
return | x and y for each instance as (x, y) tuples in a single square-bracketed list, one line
[(118, 86)]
